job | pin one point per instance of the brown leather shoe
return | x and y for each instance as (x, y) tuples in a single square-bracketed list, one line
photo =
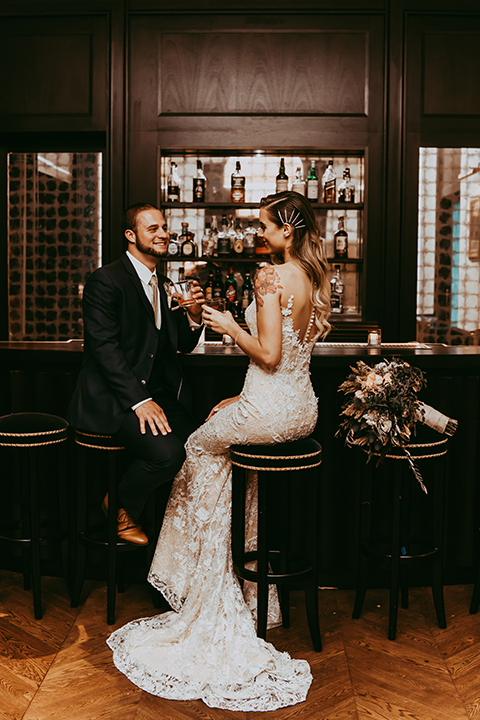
[(127, 530)]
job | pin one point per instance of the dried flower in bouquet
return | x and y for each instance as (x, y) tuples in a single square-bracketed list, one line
[(382, 409)]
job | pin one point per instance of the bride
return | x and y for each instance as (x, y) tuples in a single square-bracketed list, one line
[(206, 647)]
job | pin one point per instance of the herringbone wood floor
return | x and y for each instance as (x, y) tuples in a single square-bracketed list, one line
[(60, 668)]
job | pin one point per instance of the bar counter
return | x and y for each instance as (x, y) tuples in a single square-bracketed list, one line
[(41, 376)]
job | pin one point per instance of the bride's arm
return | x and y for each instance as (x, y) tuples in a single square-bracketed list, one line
[(267, 348)]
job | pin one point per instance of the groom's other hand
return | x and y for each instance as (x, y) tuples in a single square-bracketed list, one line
[(152, 414), (195, 311)]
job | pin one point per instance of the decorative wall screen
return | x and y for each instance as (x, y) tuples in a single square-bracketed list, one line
[(448, 262), (54, 241)]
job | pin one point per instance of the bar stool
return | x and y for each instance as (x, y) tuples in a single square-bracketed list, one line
[(277, 466), (93, 534), (34, 432), (398, 548)]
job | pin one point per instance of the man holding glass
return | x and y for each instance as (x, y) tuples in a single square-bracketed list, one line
[(131, 384)]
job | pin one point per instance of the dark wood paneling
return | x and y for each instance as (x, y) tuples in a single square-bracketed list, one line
[(264, 73), (451, 68), (57, 77), (43, 65)]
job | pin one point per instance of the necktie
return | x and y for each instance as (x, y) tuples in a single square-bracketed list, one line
[(155, 299)]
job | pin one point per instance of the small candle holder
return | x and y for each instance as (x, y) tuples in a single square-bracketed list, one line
[(374, 338)]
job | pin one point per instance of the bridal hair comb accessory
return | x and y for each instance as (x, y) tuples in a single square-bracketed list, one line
[(294, 221)]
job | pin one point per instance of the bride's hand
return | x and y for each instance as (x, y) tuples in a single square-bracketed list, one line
[(222, 404), (219, 322)]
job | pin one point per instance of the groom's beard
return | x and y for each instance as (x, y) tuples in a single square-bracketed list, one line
[(148, 250)]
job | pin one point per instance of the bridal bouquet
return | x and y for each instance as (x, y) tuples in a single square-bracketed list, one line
[(382, 409)]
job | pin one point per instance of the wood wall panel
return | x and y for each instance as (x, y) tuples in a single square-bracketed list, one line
[(264, 73), (451, 69), (57, 75), (51, 74)]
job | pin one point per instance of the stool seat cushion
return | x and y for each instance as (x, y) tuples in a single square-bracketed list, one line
[(296, 454), (425, 444), (95, 440), (32, 429)]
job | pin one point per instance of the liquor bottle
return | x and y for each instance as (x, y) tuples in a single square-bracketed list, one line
[(336, 291), (173, 245), (239, 241), (187, 242), (230, 289), (181, 273), (247, 292), (218, 284), (298, 184), (224, 238), (199, 183), (249, 240), (207, 242), (329, 182), (173, 184), (237, 192), (312, 183), (208, 289), (214, 235), (346, 189), (340, 240), (281, 183), (261, 246)]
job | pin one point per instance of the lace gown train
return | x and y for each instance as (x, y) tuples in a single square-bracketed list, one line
[(206, 647)]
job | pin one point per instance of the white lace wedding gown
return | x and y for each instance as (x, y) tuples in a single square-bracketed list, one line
[(207, 647)]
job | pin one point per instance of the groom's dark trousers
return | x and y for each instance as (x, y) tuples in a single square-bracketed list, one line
[(127, 360)]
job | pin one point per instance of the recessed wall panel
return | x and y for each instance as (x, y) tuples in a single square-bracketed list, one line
[(321, 72)]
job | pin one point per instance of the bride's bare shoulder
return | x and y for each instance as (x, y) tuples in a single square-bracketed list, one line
[(267, 281)]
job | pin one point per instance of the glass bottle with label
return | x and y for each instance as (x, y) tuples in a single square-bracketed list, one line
[(346, 189), (298, 184), (329, 182), (247, 292), (199, 183), (218, 284), (340, 240), (207, 243), (173, 184), (249, 240), (237, 192), (336, 291), (230, 289), (232, 233), (208, 289), (173, 245), (214, 235), (187, 242), (281, 184), (239, 241), (312, 183), (223, 238)]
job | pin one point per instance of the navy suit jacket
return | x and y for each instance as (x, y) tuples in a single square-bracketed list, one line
[(120, 347)]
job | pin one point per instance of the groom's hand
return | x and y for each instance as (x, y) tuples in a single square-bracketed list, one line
[(195, 310), (152, 414)]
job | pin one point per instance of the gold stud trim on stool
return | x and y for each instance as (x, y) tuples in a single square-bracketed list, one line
[(276, 469), (99, 447), (414, 457), (85, 434), (38, 444), (33, 434), (278, 457)]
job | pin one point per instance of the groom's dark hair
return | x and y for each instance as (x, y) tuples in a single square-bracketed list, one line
[(129, 217)]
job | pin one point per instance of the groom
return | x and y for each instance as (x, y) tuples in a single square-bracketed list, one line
[(131, 384)]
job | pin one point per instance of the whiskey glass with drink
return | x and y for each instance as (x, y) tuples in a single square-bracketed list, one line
[(181, 292)]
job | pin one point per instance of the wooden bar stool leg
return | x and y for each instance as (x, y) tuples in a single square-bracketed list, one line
[(395, 553), (404, 535), (284, 590), (22, 473), (438, 506), (112, 537), (311, 590), (35, 535), (475, 602), (81, 457), (239, 477), (262, 557), (365, 513)]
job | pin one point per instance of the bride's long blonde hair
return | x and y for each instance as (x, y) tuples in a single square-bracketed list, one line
[(306, 248)]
